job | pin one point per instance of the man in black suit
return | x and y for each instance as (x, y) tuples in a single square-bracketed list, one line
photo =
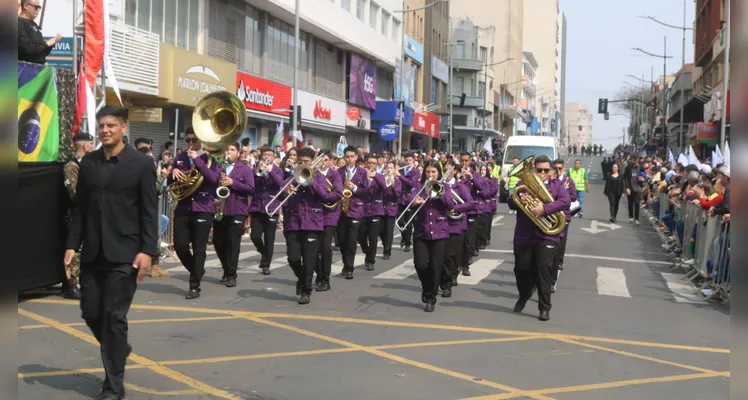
[(115, 218)]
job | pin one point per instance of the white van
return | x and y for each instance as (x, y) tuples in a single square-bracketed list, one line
[(522, 147)]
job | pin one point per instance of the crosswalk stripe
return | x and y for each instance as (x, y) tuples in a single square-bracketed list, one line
[(479, 270), (402, 271), (682, 293), (612, 282), (337, 267), (496, 220)]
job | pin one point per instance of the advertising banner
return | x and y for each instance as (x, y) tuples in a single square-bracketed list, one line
[(428, 123), (388, 132), (439, 70), (363, 82), (413, 49), (408, 82), (322, 110), (263, 95)]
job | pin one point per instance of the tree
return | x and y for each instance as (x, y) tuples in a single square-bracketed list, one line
[(637, 110)]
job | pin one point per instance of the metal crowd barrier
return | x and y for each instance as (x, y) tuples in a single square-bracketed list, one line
[(164, 237)]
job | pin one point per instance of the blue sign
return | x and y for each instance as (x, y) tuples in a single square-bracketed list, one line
[(413, 49), (387, 111), (388, 132), (61, 55)]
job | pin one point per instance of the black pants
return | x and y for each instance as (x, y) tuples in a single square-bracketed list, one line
[(348, 234), (428, 259), (615, 200), (192, 229), (534, 266), (227, 239), (560, 254), (107, 290), (324, 261), (406, 236), (263, 236), (368, 233), (469, 246), (484, 228), (634, 200), (302, 248), (453, 259), (387, 233)]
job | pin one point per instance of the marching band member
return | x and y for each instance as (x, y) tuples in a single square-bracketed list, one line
[(568, 183), (331, 217), (430, 234), (268, 181), (288, 163), (392, 194), (493, 204), (354, 179), (193, 216), (373, 202), (484, 217), (303, 224), (409, 178), (227, 233), (475, 184), (534, 251), (457, 230)]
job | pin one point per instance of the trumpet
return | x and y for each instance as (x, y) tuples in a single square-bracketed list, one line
[(389, 180), (434, 190), (260, 168), (302, 176)]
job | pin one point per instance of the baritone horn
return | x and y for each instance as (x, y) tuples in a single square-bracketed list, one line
[(533, 192)]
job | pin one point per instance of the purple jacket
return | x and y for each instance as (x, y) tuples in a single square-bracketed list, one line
[(333, 215), (266, 187), (202, 199), (492, 203), (408, 181), (303, 210), (356, 208), (525, 232), (241, 188), (572, 189), (431, 222), (457, 226), (374, 198), (476, 186), (392, 197)]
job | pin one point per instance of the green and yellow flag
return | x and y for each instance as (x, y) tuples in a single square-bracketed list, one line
[(38, 118)]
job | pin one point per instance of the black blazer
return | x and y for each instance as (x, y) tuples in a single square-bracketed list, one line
[(119, 216)]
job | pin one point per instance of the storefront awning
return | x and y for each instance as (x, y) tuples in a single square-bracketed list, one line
[(474, 131), (511, 112), (693, 112)]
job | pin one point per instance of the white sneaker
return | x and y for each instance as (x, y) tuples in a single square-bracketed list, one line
[(637, 222), (631, 220)]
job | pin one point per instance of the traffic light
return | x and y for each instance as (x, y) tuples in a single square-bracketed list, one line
[(602, 106), (293, 115), (607, 116)]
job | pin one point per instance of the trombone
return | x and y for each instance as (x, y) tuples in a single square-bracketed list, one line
[(302, 176), (434, 190)]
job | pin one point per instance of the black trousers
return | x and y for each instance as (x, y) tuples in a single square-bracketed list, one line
[(635, 199), (324, 261), (302, 248), (192, 229), (470, 234), (453, 259), (263, 236), (428, 259), (560, 254), (615, 200), (368, 233), (348, 234), (406, 236), (387, 233), (534, 266), (227, 239), (484, 227), (107, 290)]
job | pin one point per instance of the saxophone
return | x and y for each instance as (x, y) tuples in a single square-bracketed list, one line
[(222, 192), (347, 194), (535, 193)]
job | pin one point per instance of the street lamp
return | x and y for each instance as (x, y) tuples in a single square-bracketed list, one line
[(664, 57), (402, 59)]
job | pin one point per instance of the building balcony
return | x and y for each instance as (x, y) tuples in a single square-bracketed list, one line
[(473, 102), (718, 47), (135, 58), (467, 64)]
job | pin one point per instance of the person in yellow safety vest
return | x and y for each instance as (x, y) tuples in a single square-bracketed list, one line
[(511, 181), (581, 181)]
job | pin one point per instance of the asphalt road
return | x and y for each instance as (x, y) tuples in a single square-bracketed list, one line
[(622, 327)]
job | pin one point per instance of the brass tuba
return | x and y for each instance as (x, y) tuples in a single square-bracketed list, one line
[(534, 193), (330, 188)]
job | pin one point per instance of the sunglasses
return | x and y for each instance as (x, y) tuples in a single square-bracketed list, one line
[(37, 8), (191, 140), (543, 170)]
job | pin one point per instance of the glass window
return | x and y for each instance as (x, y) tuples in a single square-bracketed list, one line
[(157, 17), (130, 11), (170, 22), (194, 27), (182, 18), (460, 50), (385, 23), (144, 15), (345, 4), (373, 12), (483, 53), (395, 30), (360, 9), (523, 152), (434, 91)]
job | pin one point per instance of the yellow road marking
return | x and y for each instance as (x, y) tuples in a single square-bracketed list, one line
[(81, 371), (140, 321), (153, 366), (454, 342), (259, 356), (146, 390), (399, 359), (242, 314)]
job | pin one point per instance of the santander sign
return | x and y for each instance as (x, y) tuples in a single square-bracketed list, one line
[(263, 95)]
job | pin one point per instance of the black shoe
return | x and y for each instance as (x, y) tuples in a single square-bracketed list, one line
[(304, 299), (110, 396), (553, 288), (423, 298), (265, 270), (544, 316), (447, 291), (317, 282), (231, 282), (520, 305), (429, 307), (193, 294), (298, 287), (386, 257), (369, 266), (407, 248), (224, 279), (475, 254), (72, 293), (611, 220), (348, 274), (561, 267), (465, 271), (323, 286), (454, 282)]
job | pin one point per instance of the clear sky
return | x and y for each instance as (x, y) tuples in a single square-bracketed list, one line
[(599, 38)]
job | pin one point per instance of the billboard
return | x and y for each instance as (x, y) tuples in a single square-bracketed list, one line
[(362, 79)]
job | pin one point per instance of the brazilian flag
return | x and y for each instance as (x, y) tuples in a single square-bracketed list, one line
[(38, 118)]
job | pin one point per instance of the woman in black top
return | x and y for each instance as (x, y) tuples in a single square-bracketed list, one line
[(614, 190)]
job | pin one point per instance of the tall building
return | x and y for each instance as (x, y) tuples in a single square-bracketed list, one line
[(561, 75), (540, 36), (528, 99), (577, 124)]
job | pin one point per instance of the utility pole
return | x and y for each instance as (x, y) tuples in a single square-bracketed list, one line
[(296, 117), (725, 78), (451, 89), (681, 134)]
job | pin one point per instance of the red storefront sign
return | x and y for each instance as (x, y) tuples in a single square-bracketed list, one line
[(321, 112), (428, 123), (263, 95), (354, 113), (707, 130)]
